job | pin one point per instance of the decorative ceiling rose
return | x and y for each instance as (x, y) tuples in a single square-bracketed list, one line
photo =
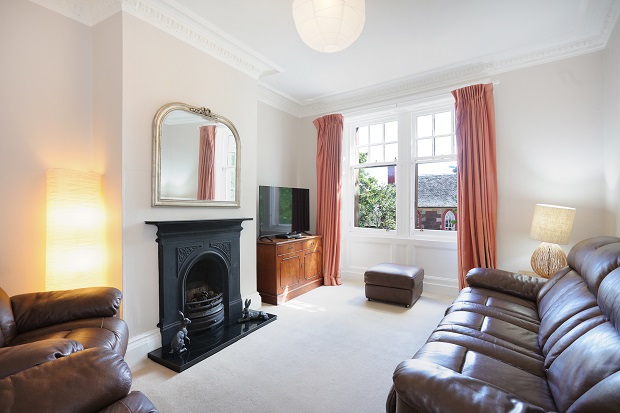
[(329, 25)]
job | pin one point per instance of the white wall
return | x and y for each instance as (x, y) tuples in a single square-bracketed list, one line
[(107, 132), (549, 150), (46, 122), (278, 150), (611, 131), (287, 152), (158, 69)]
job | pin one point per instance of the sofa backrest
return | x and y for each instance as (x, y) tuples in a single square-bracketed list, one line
[(7, 321), (579, 333)]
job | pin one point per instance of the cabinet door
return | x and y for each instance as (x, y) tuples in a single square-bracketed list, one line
[(290, 272), (313, 264)]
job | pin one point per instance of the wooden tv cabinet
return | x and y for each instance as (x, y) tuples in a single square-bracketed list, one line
[(287, 268)]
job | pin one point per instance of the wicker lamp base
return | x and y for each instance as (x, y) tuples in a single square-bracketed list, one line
[(547, 259)]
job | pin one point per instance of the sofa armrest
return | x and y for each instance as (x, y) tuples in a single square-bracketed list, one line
[(134, 402), (423, 386), (86, 381), (519, 285), (42, 309), (17, 358)]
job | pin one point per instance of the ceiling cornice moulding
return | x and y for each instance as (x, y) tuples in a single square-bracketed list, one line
[(173, 19), (169, 16)]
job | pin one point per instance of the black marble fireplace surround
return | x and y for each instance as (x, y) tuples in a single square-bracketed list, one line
[(199, 257)]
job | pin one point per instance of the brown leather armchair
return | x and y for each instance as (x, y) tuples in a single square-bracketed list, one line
[(62, 351)]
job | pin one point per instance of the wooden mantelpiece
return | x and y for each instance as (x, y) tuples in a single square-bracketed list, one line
[(288, 268)]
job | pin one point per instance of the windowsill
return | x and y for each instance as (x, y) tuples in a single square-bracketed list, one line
[(417, 235)]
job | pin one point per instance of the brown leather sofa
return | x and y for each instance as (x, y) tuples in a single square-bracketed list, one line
[(62, 351), (514, 343)]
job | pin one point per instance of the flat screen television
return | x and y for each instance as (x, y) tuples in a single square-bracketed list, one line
[(283, 210)]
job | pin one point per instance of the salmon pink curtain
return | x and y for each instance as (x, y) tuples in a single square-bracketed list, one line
[(206, 163), (477, 179), (328, 174)]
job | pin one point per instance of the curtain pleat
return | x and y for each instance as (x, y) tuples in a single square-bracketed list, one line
[(206, 163), (328, 171), (477, 179)]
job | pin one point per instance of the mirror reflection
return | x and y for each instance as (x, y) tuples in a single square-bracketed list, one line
[(195, 158)]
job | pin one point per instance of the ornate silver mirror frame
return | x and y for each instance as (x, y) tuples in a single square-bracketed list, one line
[(177, 143)]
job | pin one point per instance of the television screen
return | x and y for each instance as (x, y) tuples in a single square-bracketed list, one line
[(283, 210)]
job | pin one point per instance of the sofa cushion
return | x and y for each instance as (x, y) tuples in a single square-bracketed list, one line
[(568, 298), (42, 309), (86, 381), (609, 297), (17, 358), (588, 361), (106, 332)]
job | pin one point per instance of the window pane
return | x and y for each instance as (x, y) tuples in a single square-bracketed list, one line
[(443, 146), (376, 133), (391, 131), (424, 126), (362, 154), (362, 135), (443, 123), (376, 154), (375, 197), (391, 152), (436, 195), (425, 147)]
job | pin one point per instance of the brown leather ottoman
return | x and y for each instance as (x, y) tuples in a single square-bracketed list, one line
[(394, 283)]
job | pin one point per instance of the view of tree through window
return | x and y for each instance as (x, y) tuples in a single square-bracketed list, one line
[(376, 149)]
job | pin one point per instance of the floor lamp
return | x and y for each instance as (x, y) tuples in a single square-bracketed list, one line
[(552, 225), (75, 230)]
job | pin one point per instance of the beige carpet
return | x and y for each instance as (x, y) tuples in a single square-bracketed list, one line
[(330, 350)]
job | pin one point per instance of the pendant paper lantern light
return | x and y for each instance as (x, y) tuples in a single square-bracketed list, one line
[(329, 25), (75, 230)]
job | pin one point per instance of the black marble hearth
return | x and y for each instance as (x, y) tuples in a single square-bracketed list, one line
[(199, 277), (203, 345)]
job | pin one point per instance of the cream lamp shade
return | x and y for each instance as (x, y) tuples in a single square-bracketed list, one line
[(75, 230), (552, 225), (329, 25)]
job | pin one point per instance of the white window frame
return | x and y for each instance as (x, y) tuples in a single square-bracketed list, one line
[(437, 107), (405, 170), (349, 177)]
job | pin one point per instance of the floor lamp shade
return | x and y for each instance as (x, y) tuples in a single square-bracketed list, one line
[(329, 25), (75, 230), (552, 225)]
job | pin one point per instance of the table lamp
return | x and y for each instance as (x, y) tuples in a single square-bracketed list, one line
[(552, 225)]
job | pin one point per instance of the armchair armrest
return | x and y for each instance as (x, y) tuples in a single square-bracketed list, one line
[(422, 386), (17, 358), (519, 285), (86, 381), (135, 402), (42, 309)]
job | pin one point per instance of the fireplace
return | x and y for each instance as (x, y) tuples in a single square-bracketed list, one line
[(199, 279)]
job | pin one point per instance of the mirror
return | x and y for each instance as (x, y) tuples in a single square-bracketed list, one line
[(195, 158)]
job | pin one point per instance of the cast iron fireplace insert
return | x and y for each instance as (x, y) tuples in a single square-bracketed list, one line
[(199, 275)]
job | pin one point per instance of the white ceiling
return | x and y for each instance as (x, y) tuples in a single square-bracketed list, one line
[(404, 42), (401, 38)]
